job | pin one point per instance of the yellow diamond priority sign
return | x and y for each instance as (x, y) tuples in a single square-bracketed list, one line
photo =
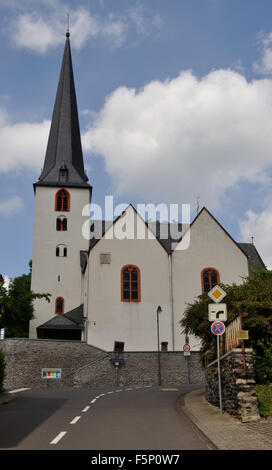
[(217, 294)]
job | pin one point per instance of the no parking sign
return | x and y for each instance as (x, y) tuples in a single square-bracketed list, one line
[(218, 328)]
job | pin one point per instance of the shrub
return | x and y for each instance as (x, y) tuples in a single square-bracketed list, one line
[(263, 361), (2, 370)]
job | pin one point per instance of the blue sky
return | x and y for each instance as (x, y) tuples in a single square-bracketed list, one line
[(175, 102)]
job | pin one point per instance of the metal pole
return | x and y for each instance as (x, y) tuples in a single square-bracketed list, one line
[(219, 375), (159, 356)]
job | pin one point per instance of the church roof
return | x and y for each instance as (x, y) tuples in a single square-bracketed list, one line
[(254, 259), (169, 233), (72, 320), (166, 233), (64, 151)]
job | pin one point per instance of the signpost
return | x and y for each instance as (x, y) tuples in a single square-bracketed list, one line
[(217, 294), (218, 314), (187, 352), (186, 349)]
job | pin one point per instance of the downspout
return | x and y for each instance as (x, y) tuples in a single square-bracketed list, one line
[(170, 272), (86, 313)]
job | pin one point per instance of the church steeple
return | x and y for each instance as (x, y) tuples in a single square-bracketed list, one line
[(63, 165)]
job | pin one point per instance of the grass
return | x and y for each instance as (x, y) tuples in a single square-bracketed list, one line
[(264, 393)]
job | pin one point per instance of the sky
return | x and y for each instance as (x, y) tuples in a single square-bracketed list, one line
[(175, 106)]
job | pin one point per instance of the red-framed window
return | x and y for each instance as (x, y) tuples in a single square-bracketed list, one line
[(59, 305), (61, 224), (130, 284), (62, 201), (209, 278)]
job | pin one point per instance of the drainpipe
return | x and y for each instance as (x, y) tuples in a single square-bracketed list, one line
[(170, 272), (86, 313)]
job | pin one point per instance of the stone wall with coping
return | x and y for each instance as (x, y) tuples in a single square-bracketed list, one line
[(238, 388), (85, 365)]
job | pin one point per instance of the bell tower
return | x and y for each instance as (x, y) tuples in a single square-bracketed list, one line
[(60, 195)]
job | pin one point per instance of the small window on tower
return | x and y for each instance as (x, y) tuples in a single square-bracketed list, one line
[(62, 201), (63, 175), (61, 224), (59, 305), (61, 250)]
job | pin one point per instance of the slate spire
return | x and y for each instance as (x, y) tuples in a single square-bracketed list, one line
[(63, 165)]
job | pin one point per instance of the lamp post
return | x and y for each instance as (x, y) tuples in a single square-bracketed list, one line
[(158, 337)]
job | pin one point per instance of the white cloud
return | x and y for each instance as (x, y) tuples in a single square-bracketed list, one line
[(259, 226), (264, 64), (23, 145), (185, 137), (39, 31), (11, 206)]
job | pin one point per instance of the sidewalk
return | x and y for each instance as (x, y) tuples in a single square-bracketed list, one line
[(224, 431)]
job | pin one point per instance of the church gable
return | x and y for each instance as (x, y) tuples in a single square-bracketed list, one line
[(205, 231), (127, 226)]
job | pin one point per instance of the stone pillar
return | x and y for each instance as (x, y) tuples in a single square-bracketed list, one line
[(239, 396)]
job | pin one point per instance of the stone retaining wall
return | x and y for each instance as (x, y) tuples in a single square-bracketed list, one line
[(238, 389), (82, 364)]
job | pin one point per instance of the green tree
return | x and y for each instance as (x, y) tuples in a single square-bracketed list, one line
[(16, 305), (253, 299)]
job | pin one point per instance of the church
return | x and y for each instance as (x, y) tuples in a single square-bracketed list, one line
[(116, 292)]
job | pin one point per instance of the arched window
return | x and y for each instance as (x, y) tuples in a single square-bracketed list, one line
[(61, 224), (62, 201), (61, 250), (59, 305), (209, 278), (130, 284)]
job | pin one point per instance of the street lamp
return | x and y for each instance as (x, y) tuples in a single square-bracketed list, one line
[(159, 310)]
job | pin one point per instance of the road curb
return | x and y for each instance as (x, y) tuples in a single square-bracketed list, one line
[(181, 408)]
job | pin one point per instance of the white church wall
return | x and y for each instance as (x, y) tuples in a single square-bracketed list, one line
[(60, 276), (134, 323), (210, 246)]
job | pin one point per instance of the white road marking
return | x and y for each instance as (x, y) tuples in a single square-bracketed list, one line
[(75, 420), (19, 390), (118, 390), (58, 438), (102, 394), (94, 400), (110, 392), (85, 409), (129, 388)]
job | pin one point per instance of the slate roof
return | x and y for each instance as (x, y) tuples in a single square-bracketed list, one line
[(254, 259), (64, 149), (167, 233), (72, 320)]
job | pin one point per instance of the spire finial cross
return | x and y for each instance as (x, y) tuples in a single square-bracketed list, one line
[(68, 25)]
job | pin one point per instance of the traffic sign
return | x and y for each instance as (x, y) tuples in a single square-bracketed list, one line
[(217, 312), (218, 328), (186, 347), (217, 294)]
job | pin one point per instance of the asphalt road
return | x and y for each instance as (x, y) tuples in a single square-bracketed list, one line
[(134, 418)]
